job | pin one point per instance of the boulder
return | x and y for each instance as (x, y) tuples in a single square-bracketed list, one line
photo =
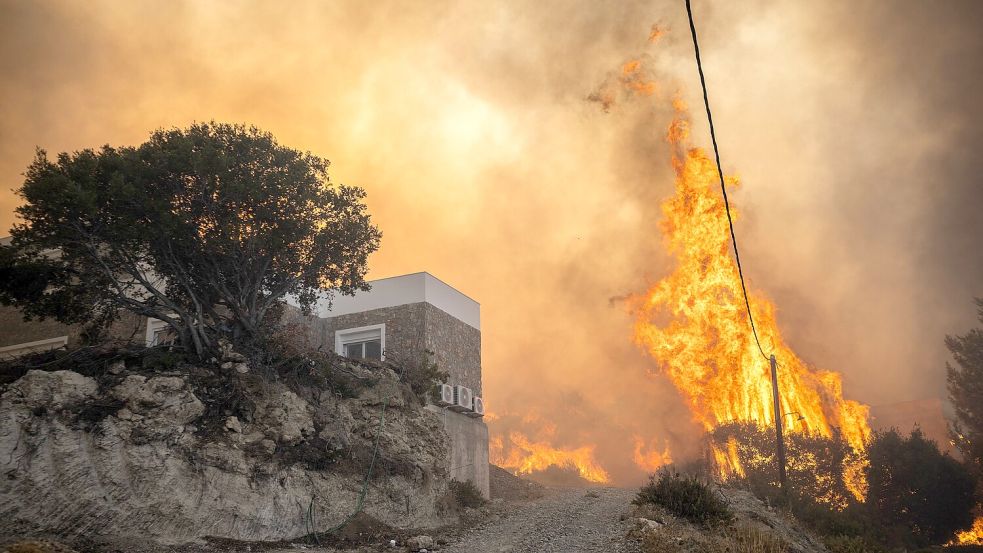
[(288, 416), (232, 424), (53, 391), (419, 543), (166, 399)]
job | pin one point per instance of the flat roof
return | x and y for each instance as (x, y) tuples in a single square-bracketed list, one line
[(404, 290)]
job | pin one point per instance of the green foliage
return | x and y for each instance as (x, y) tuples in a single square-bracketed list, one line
[(421, 374), (912, 485), (208, 227), (466, 494), (965, 384), (814, 463), (685, 496)]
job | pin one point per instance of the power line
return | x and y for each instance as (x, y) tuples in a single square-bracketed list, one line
[(720, 173)]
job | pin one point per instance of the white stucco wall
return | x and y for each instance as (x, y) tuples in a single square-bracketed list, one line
[(406, 289)]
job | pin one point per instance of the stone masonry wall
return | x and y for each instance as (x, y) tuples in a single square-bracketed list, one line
[(413, 328), (15, 330), (456, 346)]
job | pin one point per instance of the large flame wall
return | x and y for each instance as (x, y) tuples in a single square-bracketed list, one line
[(694, 321)]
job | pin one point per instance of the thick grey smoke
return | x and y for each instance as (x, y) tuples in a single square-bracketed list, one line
[(854, 127)]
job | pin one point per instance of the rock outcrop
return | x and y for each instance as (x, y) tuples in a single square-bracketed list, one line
[(175, 456)]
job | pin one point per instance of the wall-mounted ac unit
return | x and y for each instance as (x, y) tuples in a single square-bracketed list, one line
[(445, 395), (462, 399), (477, 407)]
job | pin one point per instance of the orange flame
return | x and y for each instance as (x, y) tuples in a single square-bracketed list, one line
[(651, 460), (693, 322), (525, 457), (727, 461), (973, 536), (633, 79)]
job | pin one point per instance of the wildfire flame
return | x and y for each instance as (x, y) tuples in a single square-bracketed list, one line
[(650, 460), (973, 536), (526, 457), (693, 322)]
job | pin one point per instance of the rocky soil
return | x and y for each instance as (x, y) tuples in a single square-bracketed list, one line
[(169, 456), (563, 520), (558, 520)]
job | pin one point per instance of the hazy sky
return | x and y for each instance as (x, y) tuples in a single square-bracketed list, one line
[(854, 126)]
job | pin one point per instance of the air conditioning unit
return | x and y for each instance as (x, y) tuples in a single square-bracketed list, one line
[(462, 399), (445, 395), (477, 407)]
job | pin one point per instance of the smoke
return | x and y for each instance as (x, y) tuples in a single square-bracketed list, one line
[(854, 128)]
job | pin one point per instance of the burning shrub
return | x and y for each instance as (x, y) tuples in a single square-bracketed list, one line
[(818, 467), (685, 496)]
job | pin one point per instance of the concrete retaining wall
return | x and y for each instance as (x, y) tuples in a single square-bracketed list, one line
[(468, 447)]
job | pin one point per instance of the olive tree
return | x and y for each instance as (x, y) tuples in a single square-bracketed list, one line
[(208, 228)]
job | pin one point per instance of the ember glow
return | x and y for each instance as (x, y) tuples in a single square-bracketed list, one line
[(524, 456), (693, 322)]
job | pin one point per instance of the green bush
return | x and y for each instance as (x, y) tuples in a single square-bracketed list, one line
[(466, 494), (915, 487), (685, 496), (421, 374)]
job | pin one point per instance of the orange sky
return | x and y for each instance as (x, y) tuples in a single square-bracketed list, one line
[(853, 127)]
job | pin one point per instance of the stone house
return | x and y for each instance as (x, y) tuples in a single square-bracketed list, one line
[(408, 317)]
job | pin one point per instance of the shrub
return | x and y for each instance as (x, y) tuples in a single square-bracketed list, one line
[(815, 463), (466, 494), (685, 496), (421, 374), (912, 485)]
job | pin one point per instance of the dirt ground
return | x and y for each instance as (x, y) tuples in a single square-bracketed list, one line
[(563, 520), (554, 520)]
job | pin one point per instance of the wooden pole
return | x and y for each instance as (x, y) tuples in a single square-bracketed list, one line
[(779, 437)]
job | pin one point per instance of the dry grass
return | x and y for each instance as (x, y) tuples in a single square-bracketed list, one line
[(743, 539)]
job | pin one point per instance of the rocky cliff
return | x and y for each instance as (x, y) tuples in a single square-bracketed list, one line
[(177, 454)]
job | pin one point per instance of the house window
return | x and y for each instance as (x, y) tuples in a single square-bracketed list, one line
[(16, 350), (365, 342), (159, 333)]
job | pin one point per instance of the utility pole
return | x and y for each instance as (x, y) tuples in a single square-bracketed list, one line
[(779, 438)]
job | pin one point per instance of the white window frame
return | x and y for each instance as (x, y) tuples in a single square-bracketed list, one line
[(153, 326), (360, 334), (48, 344)]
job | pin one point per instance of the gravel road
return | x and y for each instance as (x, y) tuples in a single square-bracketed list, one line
[(565, 520)]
